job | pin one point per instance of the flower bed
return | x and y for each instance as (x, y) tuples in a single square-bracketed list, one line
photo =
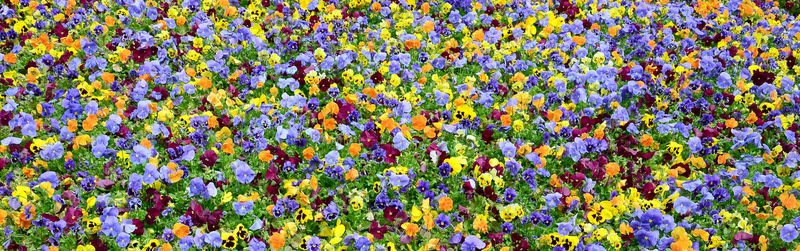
[(399, 125)]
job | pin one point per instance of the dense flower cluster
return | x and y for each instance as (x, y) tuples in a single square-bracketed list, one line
[(399, 125)]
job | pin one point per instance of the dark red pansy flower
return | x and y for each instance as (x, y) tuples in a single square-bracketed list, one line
[(162, 91), (5, 117), (325, 84), (73, 215), (271, 173), (390, 213), (214, 220), (99, 245), (464, 212), (496, 238), (197, 213), (648, 190), (123, 131), (487, 192), (468, 189), (273, 190), (320, 202), (377, 230), (744, 236), (760, 77), (487, 135), (391, 153), (209, 158), (345, 109), (483, 163), (152, 214), (51, 217), (376, 78), (141, 55), (60, 31), (139, 227), (496, 114), (225, 120)]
